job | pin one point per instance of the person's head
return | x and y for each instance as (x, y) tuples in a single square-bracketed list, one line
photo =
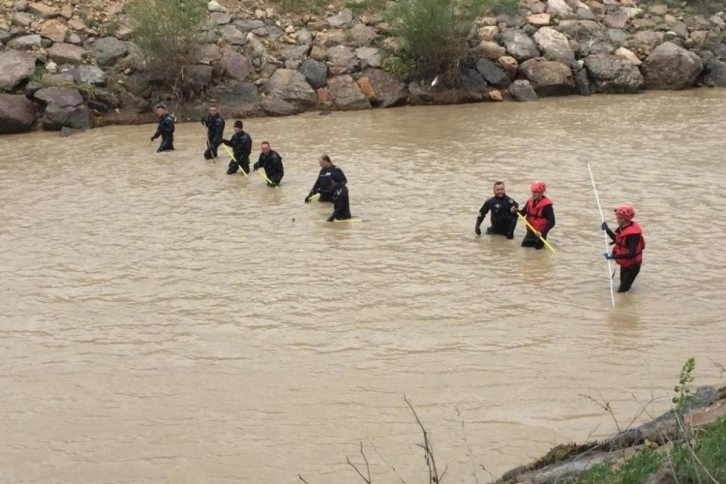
[(538, 189), (160, 109), (624, 214), (238, 126), (213, 109), (265, 147), (325, 161), (499, 189)]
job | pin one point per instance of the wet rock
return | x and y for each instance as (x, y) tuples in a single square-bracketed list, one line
[(344, 18), (388, 90), (715, 74), (368, 56), (554, 45), (548, 78), (522, 91), (518, 44), (582, 83), (108, 50), (471, 80), (671, 67), (25, 42), (17, 114), (15, 67), (64, 107), (276, 106), (315, 72), (346, 94), (488, 49), (342, 60), (493, 74), (290, 86), (612, 74)]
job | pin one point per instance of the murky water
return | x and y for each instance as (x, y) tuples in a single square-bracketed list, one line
[(164, 322)]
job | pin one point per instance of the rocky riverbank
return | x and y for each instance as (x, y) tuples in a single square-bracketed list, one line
[(74, 64)]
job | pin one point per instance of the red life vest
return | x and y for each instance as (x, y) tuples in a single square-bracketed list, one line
[(621, 245), (534, 212)]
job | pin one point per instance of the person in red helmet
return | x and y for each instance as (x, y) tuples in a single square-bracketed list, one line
[(629, 246), (539, 213)]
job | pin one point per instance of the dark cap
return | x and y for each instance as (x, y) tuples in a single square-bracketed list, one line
[(238, 124)]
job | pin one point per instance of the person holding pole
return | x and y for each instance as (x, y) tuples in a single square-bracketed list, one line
[(629, 246), (215, 131), (539, 216)]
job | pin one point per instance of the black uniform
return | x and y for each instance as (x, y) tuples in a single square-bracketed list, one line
[(272, 164), (324, 186), (165, 129), (503, 220), (531, 240), (341, 205), (215, 133), (241, 144)]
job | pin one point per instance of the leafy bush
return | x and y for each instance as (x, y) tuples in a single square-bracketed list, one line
[(166, 32)]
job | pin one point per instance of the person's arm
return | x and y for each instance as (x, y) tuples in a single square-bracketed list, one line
[(631, 242), (157, 133), (218, 132), (482, 213), (344, 179), (549, 214), (259, 164)]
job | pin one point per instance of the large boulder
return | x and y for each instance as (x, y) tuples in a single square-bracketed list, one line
[(548, 78), (235, 65), (471, 80), (388, 91), (17, 114), (238, 98), (346, 94), (715, 73), (342, 59), (64, 108), (671, 67), (518, 44), (85, 74), (315, 72), (290, 86), (609, 73), (15, 67), (522, 91), (554, 45), (369, 57), (61, 53), (493, 74), (108, 50)]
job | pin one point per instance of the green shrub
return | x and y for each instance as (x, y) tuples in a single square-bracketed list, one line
[(300, 6), (166, 33)]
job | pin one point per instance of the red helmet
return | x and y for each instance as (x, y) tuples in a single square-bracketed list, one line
[(625, 211), (538, 186)]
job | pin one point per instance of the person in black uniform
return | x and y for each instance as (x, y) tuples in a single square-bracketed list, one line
[(241, 144), (271, 162), (503, 219), (323, 186), (339, 195), (165, 129), (215, 131)]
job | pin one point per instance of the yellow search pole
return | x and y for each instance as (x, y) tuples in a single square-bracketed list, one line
[(231, 155), (535, 232)]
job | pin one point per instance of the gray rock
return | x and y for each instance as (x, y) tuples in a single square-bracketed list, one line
[(26, 42), (291, 86), (613, 74), (238, 98), (248, 25), (345, 17), (388, 90), (648, 38), (471, 80), (493, 74), (21, 5), (63, 79), (554, 45), (671, 67), (15, 67), (17, 114), (580, 30), (715, 74), (219, 18), (585, 13), (331, 38), (369, 57), (292, 64), (64, 107), (198, 78), (276, 106), (108, 50), (558, 8), (42, 10), (294, 52), (86, 74), (342, 59), (304, 37), (582, 83), (133, 103), (346, 94), (73, 38), (209, 53), (361, 35), (618, 37), (22, 19), (518, 44), (316, 73), (548, 78), (235, 65), (617, 19), (522, 91), (232, 35)]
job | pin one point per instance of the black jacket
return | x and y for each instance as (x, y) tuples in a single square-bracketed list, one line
[(241, 144), (341, 209), (272, 163), (501, 209), (165, 129), (323, 184), (215, 129)]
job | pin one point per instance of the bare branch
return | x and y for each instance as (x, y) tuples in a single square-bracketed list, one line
[(468, 448), (387, 463), (301, 478), (367, 480), (428, 448), (720, 367)]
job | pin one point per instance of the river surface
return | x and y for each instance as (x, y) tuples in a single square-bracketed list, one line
[(161, 321)]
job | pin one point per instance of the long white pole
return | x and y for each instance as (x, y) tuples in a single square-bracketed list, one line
[(605, 235)]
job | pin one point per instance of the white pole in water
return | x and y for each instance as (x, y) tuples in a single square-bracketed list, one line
[(607, 249)]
